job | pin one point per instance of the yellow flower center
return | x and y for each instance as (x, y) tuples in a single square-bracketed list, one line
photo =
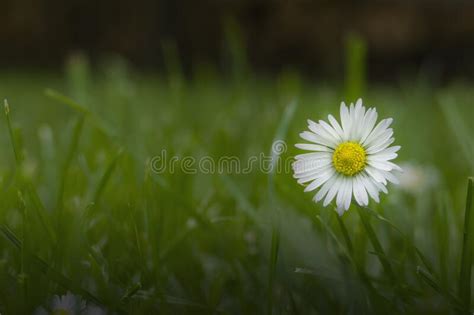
[(349, 158)]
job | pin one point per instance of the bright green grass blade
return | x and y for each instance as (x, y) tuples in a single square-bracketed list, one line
[(105, 178), (81, 109), (356, 52), (16, 151), (23, 276), (65, 167), (41, 211), (30, 189), (55, 95), (466, 256)]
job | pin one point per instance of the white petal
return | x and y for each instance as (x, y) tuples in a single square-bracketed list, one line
[(382, 157), (370, 187), (345, 120), (312, 176), (362, 192), (348, 195), (384, 166), (342, 192), (380, 187), (380, 128), (394, 166), (323, 191), (312, 147), (376, 175), (390, 177), (320, 131), (314, 156), (358, 120), (381, 147), (336, 126), (302, 167), (369, 124), (390, 150), (380, 139), (312, 137), (319, 181), (333, 190), (330, 130)]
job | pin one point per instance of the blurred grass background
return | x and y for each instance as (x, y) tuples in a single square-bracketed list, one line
[(82, 198), (82, 211)]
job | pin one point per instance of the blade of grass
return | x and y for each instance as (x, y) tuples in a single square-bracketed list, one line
[(345, 234), (420, 255), (243, 203), (432, 282), (41, 211), (30, 189), (458, 127), (105, 178), (55, 95), (275, 153), (81, 109), (349, 255), (52, 273), (130, 292), (23, 276), (356, 52), (273, 263), (65, 167), (16, 152), (377, 246), (466, 256)]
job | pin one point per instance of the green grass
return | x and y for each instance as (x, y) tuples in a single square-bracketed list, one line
[(82, 211)]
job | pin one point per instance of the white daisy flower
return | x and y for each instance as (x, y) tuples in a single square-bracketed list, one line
[(348, 159)]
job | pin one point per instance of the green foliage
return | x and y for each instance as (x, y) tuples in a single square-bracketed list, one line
[(83, 211)]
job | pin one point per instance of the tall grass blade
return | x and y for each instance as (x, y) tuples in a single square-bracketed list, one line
[(105, 178), (466, 256), (41, 211), (356, 55), (52, 273), (69, 157), (377, 246), (420, 255), (275, 245), (432, 282), (17, 153), (55, 95), (459, 128), (81, 109), (278, 147)]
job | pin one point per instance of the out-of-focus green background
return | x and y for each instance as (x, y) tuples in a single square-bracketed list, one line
[(97, 90)]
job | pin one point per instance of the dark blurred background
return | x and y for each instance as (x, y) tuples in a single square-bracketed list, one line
[(434, 37)]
